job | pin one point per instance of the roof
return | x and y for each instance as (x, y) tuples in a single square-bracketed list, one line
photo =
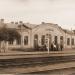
[(68, 31), (30, 25), (27, 25), (50, 24), (10, 25), (23, 25)]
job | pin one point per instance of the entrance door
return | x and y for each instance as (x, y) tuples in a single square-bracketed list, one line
[(35, 41)]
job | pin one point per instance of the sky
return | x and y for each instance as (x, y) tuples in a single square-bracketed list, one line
[(61, 12)]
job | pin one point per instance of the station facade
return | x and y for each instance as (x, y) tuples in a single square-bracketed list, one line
[(33, 36)]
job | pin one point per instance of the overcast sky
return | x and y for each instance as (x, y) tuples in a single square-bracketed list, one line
[(60, 12)]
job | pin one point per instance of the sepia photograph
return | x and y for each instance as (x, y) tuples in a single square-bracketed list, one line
[(37, 37)]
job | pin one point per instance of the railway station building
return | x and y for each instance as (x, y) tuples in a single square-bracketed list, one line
[(33, 35)]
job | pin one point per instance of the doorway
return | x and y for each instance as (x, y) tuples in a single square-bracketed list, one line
[(35, 41)]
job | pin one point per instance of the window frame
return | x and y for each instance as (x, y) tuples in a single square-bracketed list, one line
[(68, 41), (26, 40)]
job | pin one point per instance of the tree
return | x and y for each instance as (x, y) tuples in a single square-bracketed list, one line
[(13, 34), (7, 34)]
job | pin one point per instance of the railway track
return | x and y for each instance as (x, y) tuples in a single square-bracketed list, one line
[(38, 61)]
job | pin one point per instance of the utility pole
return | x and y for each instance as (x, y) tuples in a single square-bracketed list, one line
[(48, 44), (65, 39), (21, 33), (71, 37)]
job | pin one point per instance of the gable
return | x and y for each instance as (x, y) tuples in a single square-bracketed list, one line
[(48, 27)]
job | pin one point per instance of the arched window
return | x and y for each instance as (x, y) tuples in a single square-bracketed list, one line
[(25, 40), (68, 41), (35, 40), (42, 39), (56, 39), (72, 41)]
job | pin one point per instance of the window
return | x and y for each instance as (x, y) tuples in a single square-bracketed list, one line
[(36, 41), (43, 40), (26, 40), (11, 42), (56, 39), (18, 41), (61, 39), (68, 41), (72, 41), (35, 36)]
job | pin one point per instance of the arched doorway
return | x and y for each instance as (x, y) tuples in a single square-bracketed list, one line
[(35, 41)]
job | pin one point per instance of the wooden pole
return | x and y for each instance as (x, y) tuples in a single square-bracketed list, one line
[(71, 37)]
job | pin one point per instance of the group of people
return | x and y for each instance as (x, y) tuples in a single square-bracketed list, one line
[(56, 47)]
